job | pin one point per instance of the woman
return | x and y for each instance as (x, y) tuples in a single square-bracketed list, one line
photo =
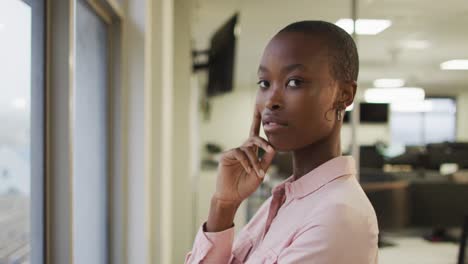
[(307, 78)]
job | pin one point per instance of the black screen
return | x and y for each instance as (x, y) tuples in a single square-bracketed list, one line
[(373, 113), (370, 113), (221, 59)]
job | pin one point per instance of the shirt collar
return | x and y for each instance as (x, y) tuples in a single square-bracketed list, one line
[(318, 177)]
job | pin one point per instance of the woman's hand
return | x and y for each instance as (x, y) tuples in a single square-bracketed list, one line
[(240, 172)]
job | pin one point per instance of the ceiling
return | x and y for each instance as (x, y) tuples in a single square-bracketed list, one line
[(443, 24)]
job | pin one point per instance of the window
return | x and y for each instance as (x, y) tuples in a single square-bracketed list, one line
[(432, 121), (20, 67)]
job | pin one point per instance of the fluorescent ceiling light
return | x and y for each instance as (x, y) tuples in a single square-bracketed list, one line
[(389, 83), (415, 44), (389, 95), (454, 65), (364, 26), (412, 107), (346, 24)]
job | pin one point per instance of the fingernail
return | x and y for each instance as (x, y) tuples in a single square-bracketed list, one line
[(262, 173)]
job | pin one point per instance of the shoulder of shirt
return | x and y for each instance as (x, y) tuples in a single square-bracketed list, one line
[(341, 218), (343, 190), (345, 203)]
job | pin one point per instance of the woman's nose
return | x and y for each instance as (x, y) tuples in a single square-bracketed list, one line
[(275, 98)]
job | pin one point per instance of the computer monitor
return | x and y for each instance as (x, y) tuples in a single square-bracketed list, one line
[(370, 157), (413, 155), (448, 152)]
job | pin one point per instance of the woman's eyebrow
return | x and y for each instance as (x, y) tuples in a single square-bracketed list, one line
[(286, 69)]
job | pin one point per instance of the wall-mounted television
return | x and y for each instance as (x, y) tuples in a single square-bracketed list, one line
[(221, 58), (371, 113)]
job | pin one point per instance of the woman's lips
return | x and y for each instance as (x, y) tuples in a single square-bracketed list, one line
[(273, 127)]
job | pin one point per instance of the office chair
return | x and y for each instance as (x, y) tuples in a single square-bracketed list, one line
[(462, 258)]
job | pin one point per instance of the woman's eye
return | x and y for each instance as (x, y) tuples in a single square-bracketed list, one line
[(263, 84), (294, 83)]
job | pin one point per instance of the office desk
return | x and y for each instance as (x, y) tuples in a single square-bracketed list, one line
[(431, 201), (390, 201), (382, 186)]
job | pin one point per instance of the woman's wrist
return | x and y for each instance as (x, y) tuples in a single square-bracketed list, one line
[(221, 215)]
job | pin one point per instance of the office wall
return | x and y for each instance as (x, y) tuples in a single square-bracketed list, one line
[(367, 134), (228, 121), (157, 125)]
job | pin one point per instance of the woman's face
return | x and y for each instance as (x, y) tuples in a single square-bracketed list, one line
[(297, 95)]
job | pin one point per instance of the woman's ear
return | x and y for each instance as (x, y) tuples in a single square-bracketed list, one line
[(347, 92)]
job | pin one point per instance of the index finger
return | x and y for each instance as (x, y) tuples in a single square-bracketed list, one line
[(255, 128)]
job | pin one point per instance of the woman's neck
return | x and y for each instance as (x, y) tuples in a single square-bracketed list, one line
[(311, 156)]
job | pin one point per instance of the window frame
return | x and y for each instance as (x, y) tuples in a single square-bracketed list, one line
[(60, 58), (38, 129)]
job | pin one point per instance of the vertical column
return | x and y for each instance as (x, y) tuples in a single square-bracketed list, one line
[(182, 209), (135, 53), (59, 180), (159, 132), (355, 112), (462, 117)]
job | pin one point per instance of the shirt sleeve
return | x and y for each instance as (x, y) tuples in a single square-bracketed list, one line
[(336, 239), (211, 247), (220, 247)]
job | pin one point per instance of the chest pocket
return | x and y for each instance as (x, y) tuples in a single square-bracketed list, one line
[(242, 247), (262, 255)]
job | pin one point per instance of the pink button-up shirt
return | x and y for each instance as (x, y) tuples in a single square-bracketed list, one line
[(324, 217)]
